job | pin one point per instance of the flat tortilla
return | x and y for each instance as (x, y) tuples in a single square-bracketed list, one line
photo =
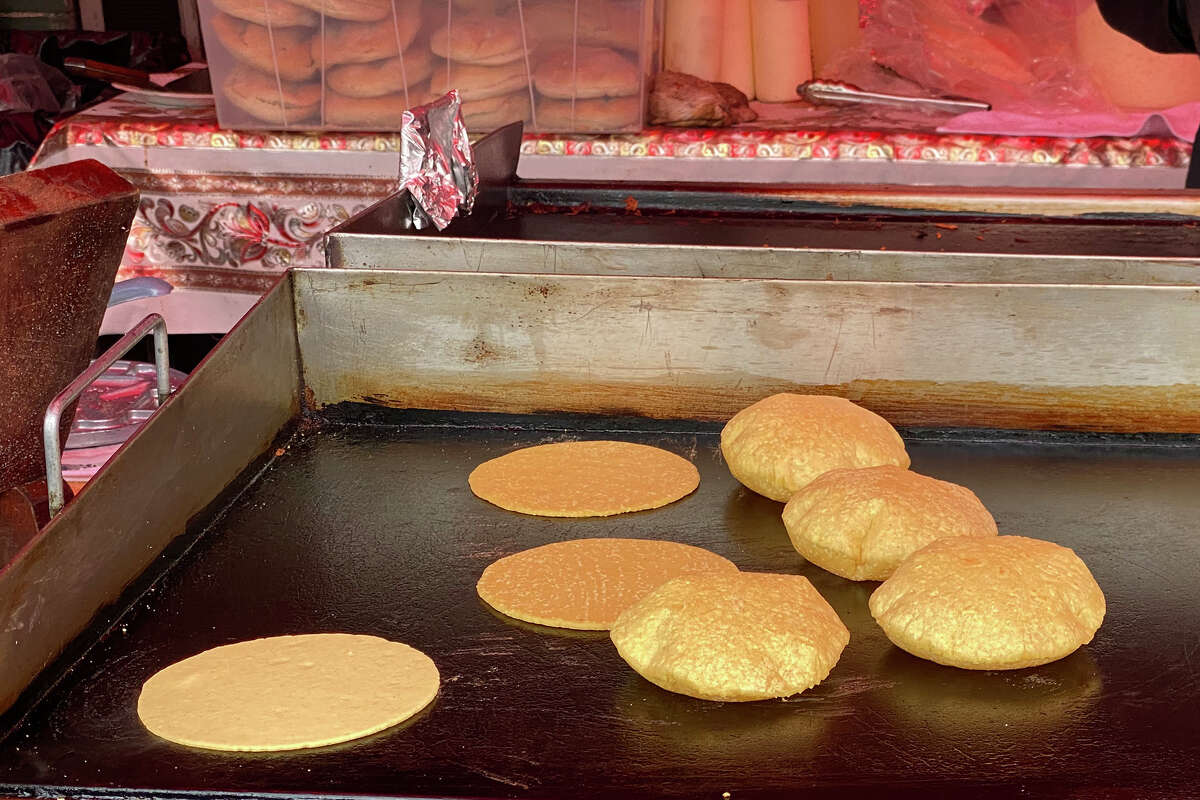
[(288, 692), (586, 584), (584, 479)]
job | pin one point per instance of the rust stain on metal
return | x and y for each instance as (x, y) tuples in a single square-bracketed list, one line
[(479, 351), (1102, 409), (62, 232), (544, 290)]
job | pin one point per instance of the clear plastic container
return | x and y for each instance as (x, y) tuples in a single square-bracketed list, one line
[(110, 410), (558, 65)]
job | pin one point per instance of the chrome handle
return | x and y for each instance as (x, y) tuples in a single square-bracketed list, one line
[(53, 419), (137, 289), (830, 92)]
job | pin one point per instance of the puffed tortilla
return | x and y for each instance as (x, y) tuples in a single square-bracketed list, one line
[(736, 638), (990, 603)]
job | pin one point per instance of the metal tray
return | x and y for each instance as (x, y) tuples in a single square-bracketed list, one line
[(562, 227), (352, 513)]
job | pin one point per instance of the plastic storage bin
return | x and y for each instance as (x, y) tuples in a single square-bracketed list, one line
[(559, 65)]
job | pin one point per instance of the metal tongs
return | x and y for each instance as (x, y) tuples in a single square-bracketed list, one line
[(827, 92)]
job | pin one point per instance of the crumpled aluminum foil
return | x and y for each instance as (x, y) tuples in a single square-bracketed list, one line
[(436, 165)]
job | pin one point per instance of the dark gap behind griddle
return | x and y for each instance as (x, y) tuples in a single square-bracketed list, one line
[(750, 217), (365, 524)]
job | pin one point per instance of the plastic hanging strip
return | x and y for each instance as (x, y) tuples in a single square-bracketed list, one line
[(528, 68), (574, 64), (647, 54), (275, 62), (400, 51), (449, 42), (324, 63)]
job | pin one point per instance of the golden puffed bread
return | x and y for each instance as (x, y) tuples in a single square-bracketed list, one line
[(586, 72), (585, 584), (784, 442), (288, 692), (749, 636), (286, 50), (475, 82), (589, 116), (584, 479), (273, 12), (861, 523), (269, 100), (382, 77), (1003, 602), (363, 42), (356, 10), (479, 39)]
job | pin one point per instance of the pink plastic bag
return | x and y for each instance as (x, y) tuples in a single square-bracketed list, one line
[(1015, 54)]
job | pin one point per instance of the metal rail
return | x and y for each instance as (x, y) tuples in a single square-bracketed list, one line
[(52, 422)]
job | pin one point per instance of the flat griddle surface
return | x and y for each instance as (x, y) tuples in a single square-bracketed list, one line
[(679, 216), (371, 529)]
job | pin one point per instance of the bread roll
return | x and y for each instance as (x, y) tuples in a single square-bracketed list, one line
[(382, 77), (607, 23), (354, 10), (363, 42), (479, 39), (475, 82), (279, 13), (606, 115), (270, 100), (252, 44), (385, 112), (484, 116), (586, 72)]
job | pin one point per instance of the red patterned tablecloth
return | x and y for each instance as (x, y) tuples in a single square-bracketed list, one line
[(852, 145), (228, 211)]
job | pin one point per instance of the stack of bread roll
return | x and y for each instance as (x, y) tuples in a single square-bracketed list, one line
[(333, 62), (358, 64), (485, 56), (587, 69), (273, 77)]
